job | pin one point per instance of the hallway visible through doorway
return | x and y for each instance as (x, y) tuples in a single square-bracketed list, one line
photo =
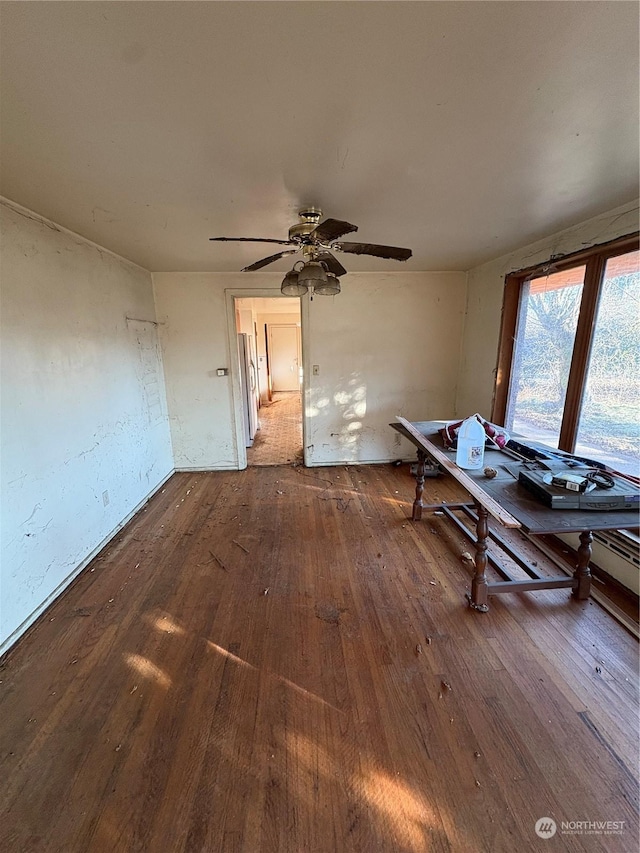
[(279, 439), (270, 353)]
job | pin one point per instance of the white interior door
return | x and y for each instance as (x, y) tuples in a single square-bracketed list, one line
[(283, 357)]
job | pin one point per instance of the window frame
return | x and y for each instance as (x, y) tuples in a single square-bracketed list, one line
[(595, 259)]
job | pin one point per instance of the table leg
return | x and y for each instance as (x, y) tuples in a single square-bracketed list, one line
[(479, 588), (416, 515), (582, 574)]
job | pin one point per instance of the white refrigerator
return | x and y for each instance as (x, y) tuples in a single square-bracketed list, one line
[(249, 382)]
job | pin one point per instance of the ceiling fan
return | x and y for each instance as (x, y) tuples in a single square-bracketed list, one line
[(317, 240)]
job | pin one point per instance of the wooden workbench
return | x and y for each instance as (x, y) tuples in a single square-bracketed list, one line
[(506, 501)]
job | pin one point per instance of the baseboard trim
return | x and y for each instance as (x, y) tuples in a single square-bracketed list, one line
[(21, 630), (351, 463), (197, 469)]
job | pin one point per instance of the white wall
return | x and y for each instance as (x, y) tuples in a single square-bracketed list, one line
[(485, 294), (387, 345), (195, 342), (83, 407)]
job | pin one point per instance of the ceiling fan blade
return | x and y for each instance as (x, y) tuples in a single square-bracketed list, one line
[(263, 263), (393, 252), (331, 263), (252, 240), (331, 229)]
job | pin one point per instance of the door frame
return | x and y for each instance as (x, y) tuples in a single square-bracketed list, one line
[(233, 360)]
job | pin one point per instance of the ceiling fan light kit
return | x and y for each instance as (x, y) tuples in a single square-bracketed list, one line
[(331, 288), (312, 276), (317, 240), (312, 273), (291, 286)]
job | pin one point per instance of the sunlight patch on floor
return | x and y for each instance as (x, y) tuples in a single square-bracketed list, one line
[(146, 669)]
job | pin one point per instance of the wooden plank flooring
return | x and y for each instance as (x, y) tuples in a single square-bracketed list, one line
[(278, 441), (280, 660)]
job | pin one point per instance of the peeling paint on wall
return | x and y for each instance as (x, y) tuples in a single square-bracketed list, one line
[(83, 407)]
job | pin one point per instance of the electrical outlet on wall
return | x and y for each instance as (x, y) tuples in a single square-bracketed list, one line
[(316, 369), (105, 498)]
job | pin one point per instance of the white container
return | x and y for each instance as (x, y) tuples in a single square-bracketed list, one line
[(470, 450)]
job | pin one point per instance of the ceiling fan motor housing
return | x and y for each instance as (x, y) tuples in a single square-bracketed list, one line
[(309, 219)]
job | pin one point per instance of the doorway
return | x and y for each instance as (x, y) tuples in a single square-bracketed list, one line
[(284, 356), (272, 328)]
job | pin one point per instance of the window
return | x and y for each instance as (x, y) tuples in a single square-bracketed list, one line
[(569, 360)]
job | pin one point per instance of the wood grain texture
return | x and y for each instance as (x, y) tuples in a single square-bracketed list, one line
[(470, 485), (278, 659)]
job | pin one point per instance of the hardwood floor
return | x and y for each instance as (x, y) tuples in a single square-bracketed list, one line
[(279, 439), (279, 660)]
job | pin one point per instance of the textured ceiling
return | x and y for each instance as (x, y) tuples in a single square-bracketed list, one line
[(460, 130)]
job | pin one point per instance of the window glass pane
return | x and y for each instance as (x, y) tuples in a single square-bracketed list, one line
[(609, 421), (547, 321)]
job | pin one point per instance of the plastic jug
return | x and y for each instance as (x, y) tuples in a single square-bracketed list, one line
[(470, 450)]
